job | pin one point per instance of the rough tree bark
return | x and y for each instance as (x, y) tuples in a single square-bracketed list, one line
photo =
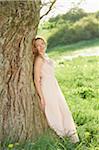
[(20, 114)]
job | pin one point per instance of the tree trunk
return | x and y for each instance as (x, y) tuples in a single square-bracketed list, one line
[(20, 114)]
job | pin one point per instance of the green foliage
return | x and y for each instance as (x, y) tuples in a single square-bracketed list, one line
[(54, 24), (74, 26), (97, 14), (84, 29), (73, 15)]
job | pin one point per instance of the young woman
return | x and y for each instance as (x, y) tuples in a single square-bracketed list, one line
[(52, 100)]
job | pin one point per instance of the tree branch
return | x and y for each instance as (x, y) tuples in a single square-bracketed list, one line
[(50, 7)]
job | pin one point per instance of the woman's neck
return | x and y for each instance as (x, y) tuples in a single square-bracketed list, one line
[(43, 54)]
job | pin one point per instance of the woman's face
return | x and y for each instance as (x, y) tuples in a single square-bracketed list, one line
[(41, 46)]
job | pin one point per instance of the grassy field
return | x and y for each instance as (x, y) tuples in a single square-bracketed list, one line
[(79, 82)]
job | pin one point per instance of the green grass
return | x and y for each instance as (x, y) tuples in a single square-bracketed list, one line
[(79, 82)]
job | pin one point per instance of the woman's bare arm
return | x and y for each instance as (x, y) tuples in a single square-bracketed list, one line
[(37, 75)]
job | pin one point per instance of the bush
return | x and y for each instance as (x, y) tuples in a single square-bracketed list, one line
[(74, 14), (87, 28), (84, 29)]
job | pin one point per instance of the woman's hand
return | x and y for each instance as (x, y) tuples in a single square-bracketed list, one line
[(42, 104)]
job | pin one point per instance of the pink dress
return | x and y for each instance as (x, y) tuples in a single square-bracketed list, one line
[(57, 111)]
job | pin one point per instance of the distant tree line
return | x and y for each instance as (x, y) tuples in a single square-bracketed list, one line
[(74, 26)]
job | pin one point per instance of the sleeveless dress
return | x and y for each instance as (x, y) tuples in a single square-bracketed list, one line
[(57, 112)]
